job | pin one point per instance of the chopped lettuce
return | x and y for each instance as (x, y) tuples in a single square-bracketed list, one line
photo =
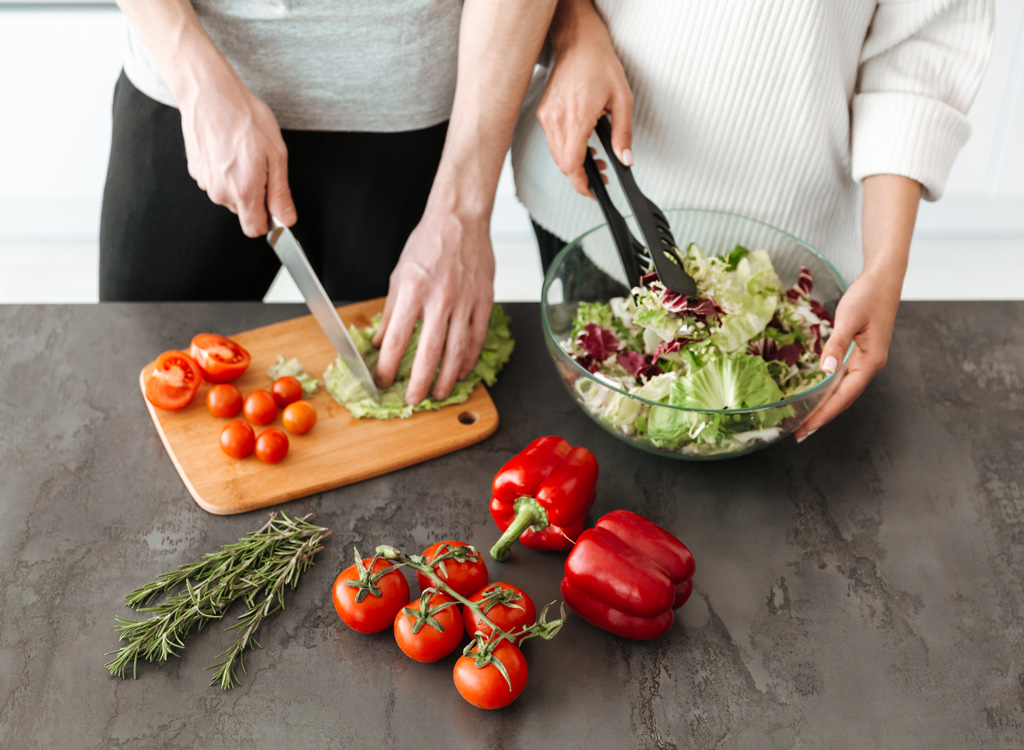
[(348, 392), (293, 367), (741, 342)]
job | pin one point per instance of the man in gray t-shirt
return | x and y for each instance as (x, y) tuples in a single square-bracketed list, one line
[(340, 77)]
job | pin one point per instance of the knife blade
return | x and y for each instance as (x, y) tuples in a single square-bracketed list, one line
[(292, 256)]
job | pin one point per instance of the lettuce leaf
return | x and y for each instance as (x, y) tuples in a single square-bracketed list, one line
[(293, 367), (348, 392)]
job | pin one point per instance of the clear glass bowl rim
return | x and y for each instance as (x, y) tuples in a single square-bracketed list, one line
[(583, 372)]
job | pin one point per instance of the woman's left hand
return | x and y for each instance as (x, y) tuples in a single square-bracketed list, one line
[(865, 315)]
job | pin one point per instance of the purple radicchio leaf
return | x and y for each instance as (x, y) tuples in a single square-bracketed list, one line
[(769, 350), (821, 312), (816, 333), (598, 342), (803, 286), (638, 365)]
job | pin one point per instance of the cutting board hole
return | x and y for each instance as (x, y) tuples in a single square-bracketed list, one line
[(468, 417)]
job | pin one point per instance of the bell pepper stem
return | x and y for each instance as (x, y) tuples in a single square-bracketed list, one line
[(529, 515)]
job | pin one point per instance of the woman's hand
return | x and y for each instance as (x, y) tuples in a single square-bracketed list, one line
[(866, 314), (586, 82)]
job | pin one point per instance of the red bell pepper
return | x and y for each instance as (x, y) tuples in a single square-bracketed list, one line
[(542, 496), (628, 575)]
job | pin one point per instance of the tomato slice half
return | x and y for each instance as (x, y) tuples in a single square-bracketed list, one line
[(220, 359), (174, 381)]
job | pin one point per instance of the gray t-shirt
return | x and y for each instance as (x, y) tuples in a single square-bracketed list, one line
[(339, 65)]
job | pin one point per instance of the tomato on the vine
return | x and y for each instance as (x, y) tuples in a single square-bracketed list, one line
[(372, 614), (224, 400), (237, 439), (220, 358), (428, 644), (465, 577), (485, 687), (286, 390), (507, 606), (271, 446), (174, 381), (299, 418), (260, 407)]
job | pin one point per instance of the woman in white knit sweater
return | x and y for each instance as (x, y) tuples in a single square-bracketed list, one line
[(828, 119)]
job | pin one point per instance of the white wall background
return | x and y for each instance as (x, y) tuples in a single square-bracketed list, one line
[(59, 61)]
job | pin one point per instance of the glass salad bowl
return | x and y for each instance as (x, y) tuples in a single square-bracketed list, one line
[(588, 270)]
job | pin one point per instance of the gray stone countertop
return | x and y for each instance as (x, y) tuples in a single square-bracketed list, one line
[(864, 589)]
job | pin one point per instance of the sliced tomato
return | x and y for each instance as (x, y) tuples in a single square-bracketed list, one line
[(174, 381), (220, 359)]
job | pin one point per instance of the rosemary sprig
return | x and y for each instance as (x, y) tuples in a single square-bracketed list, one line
[(256, 569)]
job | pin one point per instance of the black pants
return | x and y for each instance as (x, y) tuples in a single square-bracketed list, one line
[(548, 245), (358, 196)]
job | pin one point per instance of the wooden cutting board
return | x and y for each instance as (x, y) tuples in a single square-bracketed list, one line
[(338, 451)]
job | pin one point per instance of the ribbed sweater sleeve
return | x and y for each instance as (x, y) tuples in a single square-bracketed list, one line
[(921, 66)]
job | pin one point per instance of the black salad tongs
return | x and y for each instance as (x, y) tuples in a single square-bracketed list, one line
[(661, 245)]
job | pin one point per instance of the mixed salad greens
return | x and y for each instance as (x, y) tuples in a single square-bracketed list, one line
[(347, 391), (742, 341)]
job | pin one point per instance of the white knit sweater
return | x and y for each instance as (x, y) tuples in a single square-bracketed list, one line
[(776, 109)]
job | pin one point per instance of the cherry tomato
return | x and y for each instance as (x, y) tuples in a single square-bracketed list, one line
[(260, 407), (237, 439), (224, 400), (220, 359), (465, 577), (299, 418), (286, 390), (509, 607), (271, 446), (373, 614), (174, 381), (428, 643), (485, 687)]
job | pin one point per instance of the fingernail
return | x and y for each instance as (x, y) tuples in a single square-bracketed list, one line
[(627, 157), (805, 436), (288, 213), (829, 365)]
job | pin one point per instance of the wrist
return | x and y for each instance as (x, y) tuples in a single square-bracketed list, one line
[(885, 277), (198, 67), (464, 189), (575, 22)]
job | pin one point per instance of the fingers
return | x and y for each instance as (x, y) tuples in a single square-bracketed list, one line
[(478, 325), (279, 194), (454, 354), (621, 108), (392, 346), (852, 385), (385, 319)]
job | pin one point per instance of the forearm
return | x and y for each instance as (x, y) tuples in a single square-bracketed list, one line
[(574, 19), (185, 56), (499, 42), (889, 214)]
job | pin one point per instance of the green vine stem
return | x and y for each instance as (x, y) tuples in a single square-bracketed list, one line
[(485, 644)]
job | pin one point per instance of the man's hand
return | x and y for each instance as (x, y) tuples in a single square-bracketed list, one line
[(445, 278), (236, 153), (586, 82), (232, 140)]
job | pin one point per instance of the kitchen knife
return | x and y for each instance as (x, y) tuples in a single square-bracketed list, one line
[(294, 259)]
